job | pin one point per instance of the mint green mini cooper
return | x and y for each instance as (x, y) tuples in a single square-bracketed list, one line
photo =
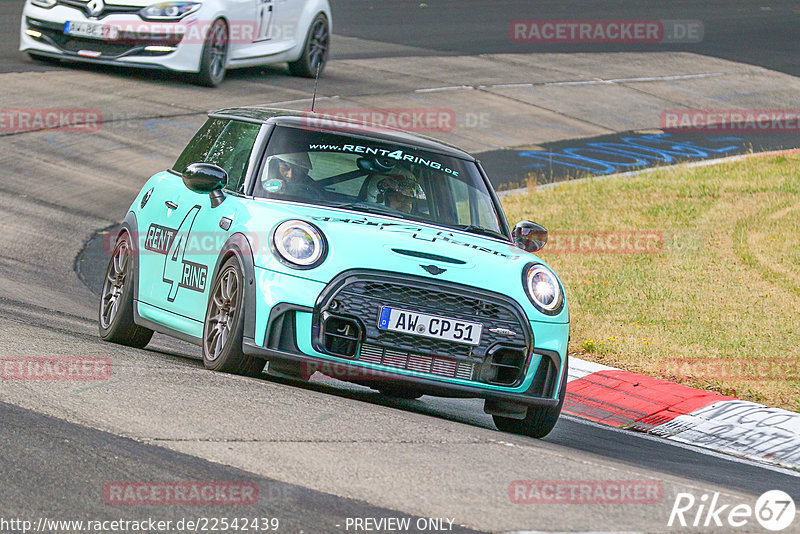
[(305, 243)]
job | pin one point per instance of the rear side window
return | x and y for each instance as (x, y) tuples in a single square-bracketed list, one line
[(200, 145)]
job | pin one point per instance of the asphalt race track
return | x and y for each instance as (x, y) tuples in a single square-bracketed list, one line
[(759, 33), (322, 452), (101, 457)]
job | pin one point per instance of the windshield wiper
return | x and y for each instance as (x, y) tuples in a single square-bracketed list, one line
[(371, 208), (475, 229)]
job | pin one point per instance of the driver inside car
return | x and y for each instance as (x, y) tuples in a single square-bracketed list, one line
[(400, 192), (287, 174)]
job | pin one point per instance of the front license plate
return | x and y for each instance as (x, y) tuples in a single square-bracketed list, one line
[(422, 324), (91, 30)]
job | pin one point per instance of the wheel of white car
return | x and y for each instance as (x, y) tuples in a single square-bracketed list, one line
[(215, 55), (315, 49)]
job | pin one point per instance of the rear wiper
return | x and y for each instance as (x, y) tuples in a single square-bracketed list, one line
[(474, 229)]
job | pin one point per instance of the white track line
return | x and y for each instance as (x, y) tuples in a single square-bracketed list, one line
[(687, 446)]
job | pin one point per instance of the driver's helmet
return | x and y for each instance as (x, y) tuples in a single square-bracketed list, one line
[(272, 181), (296, 159), (402, 185)]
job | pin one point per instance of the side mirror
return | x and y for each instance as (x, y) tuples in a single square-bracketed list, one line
[(529, 236), (206, 178)]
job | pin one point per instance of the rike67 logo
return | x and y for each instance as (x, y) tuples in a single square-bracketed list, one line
[(774, 510)]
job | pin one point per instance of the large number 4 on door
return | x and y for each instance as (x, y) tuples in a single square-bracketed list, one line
[(178, 271)]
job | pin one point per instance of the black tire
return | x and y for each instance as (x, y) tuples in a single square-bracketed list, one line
[(115, 313), (223, 328), (539, 420), (44, 59), (214, 56), (398, 392), (315, 49)]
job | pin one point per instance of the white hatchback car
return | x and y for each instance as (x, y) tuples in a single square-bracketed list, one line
[(201, 37)]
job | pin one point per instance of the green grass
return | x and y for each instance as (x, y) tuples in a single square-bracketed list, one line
[(723, 290)]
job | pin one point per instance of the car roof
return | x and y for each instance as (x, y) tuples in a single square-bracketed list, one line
[(341, 125)]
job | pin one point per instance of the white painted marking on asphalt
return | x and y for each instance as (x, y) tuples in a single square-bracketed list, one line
[(741, 428), (579, 368), (581, 82), (689, 446), (596, 81), (449, 88), (298, 101), (670, 78), (506, 85)]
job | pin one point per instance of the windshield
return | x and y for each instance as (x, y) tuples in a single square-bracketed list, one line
[(376, 177)]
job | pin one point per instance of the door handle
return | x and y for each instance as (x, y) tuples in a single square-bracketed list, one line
[(171, 205)]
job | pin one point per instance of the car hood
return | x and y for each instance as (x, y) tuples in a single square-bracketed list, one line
[(366, 241), (131, 3)]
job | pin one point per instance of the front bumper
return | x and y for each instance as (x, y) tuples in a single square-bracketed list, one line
[(292, 315), (42, 33)]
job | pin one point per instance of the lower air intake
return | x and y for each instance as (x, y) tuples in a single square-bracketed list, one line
[(416, 362)]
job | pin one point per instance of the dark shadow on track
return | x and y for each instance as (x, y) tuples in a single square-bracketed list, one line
[(74, 465)]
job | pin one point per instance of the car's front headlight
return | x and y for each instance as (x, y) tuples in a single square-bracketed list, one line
[(299, 244), (47, 4), (168, 10), (543, 289)]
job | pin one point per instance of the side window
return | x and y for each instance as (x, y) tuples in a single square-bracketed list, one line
[(472, 206), (460, 192), (487, 216), (200, 145), (232, 150)]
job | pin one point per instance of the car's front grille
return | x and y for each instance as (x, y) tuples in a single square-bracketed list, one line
[(107, 9), (501, 357), (126, 44), (416, 362)]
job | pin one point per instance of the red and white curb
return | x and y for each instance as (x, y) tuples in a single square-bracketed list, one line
[(725, 424)]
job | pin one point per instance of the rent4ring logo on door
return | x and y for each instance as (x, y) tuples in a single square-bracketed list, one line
[(178, 271)]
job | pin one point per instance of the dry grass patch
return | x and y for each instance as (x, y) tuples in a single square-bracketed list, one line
[(717, 306)]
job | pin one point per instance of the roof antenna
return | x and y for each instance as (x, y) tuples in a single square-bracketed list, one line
[(316, 79)]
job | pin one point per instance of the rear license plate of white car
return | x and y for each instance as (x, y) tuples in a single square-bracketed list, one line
[(91, 30), (432, 326)]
